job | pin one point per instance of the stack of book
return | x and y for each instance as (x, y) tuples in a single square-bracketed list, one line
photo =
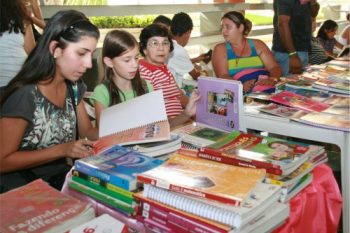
[(109, 177), (189, 194), (37, 207)]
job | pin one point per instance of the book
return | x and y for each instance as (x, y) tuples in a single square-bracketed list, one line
[(37, 207), (113, 202), (345, 51), (101, 224), (327, 120), (204, 179), (196, 135), (128, 122), (117, 165), (277, 156), (221, 103), (298, 101), (289, 193), (155, 149), (263, 196), (333, 86), (167, 215), (282, 111), (292, 178), (121, 193)]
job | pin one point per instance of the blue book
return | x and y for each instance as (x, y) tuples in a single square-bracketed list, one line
[(117, 165)]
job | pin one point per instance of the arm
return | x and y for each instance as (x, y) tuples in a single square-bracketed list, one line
[(98, 109), (269, 61), (338, 44), (29, 41), (183, 98), (86, 129), (219, 61), (37, 16), (295, 66), (11, 159), (201, 57), (189, 111), (195, 73)]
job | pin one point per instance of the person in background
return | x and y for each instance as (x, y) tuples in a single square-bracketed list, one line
[(179, 62), (155, 46), (42, 114), (16, 38), (242, 58), (317, 54), (122, 82), (163, 20), (36, 16), (326, 37), (292, 33), (344, 37)]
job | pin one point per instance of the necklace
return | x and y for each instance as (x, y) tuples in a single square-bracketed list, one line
[(242, 51)]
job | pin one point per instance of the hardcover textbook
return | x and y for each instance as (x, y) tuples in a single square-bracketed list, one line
[(139, 120), (37, 207), (221, 103), (117, 165), (204, 179)]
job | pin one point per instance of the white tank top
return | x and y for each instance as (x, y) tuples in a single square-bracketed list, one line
[(12, 55)]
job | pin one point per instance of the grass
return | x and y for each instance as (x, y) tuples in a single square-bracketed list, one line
[(259, 19)]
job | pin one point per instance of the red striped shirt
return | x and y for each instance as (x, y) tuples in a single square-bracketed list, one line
[(161, 78)]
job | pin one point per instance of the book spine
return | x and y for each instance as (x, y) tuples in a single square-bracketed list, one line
[(118, 181), (104, 184), (102, 197), (103, 190), (172, 216), (196, 193), (233, 161), (157, 227)]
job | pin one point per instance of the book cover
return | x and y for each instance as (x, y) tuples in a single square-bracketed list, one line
[(101, 224), (204, 179), (290, 192), (117, 165), (276, 155), (221, 103), (130, 127), (37, 207), (282, 111), (333, 86), (199, 135), (110, 201), (298, 101), (327, 120)]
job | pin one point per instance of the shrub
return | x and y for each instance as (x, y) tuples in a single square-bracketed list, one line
[(122, 21)]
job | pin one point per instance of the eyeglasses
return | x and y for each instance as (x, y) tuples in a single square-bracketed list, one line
[(156, 44)]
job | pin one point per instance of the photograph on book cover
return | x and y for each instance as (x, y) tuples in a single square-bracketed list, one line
[(221, 103)]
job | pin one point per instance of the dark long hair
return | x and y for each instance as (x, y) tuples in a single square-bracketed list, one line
[(115, 44), (64, 27), (12, 16), (327, 25)]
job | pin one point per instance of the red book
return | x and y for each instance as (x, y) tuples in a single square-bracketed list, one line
[(174, 218), (37, 207)]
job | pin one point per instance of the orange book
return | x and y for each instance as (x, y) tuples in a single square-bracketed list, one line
[(204, 179)]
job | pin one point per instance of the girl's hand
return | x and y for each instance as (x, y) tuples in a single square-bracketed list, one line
[(78, 149), (190, 109)]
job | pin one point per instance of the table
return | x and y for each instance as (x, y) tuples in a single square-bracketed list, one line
[(281, 126)]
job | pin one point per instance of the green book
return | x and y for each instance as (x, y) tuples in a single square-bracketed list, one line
[(103, 190), (127, 195), (103, 198)]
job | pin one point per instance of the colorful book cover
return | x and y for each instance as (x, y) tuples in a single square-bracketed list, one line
[(282, 111), (327, 120), (204, 179), (221, 103), (298, 101), (37, 207), (117, 165), (339, 105)]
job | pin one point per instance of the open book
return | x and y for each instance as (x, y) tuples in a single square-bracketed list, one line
[(344, 51), (140, 120)]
